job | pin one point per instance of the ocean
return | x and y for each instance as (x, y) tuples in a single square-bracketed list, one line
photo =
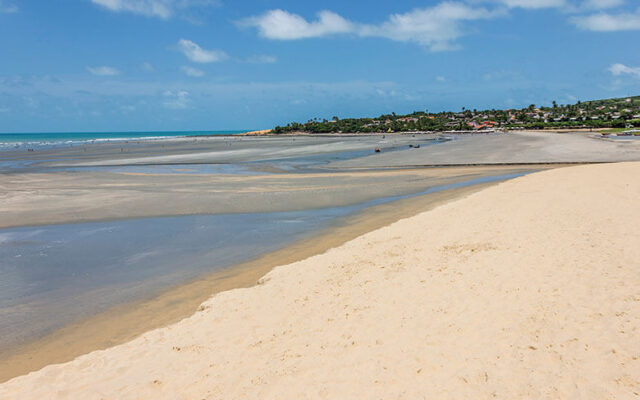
[(19, 140)]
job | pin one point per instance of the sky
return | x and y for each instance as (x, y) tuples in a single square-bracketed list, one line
[(167, 65)]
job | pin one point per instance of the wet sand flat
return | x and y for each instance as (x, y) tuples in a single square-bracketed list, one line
[(210, 150), (39, 192), (518, 147), (64, 197)]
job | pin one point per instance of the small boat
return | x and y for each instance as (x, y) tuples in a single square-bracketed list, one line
[(417, 146), (377, 150)]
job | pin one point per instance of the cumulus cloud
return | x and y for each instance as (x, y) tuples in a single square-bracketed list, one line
[(435, 27), (163, 9), (282, 25), (197, 54), (621, 69), (7, 8), (604, 22), (176, 100), (192, 72), (103, 71)]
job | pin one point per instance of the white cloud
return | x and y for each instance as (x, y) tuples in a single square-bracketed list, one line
[(262, 59), (103, 71), (176, 100), (8, 8), (621, 69), (441, 79), (147, 67), (163, 9), (604, 22), (197, 54), (602, 4), (149, 8), (568, 6), (193, 72), (534, 4), (282, 25), (435, 27)]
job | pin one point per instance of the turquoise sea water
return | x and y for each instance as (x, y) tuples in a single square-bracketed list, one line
[(38, 139)]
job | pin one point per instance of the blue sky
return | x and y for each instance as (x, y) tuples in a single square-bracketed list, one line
[(126, 65)]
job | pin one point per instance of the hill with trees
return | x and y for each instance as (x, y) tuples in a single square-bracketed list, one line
[(607, 113)]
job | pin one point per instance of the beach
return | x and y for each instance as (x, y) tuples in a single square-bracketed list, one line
[(525, 289), (209, 200), (98, 247), (141, 233), (254, 174)]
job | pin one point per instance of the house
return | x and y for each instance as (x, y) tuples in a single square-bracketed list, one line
[(481, 125)]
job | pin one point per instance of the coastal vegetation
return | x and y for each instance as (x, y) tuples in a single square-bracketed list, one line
[(608, 113)]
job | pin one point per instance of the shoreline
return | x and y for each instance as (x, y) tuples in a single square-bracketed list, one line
[(49, 197), (127, 321), (476, 297)]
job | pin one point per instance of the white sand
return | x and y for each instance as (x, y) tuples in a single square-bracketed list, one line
[(529, 289)]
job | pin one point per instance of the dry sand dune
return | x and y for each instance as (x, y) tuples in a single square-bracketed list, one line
[(528, 289)]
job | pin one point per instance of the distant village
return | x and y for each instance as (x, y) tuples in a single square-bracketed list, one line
[(619, 113)]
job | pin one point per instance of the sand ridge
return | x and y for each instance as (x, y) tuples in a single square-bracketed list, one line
[(527, 289), (65, 197)]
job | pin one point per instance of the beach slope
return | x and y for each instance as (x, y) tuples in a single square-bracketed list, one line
[(528, 289)]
